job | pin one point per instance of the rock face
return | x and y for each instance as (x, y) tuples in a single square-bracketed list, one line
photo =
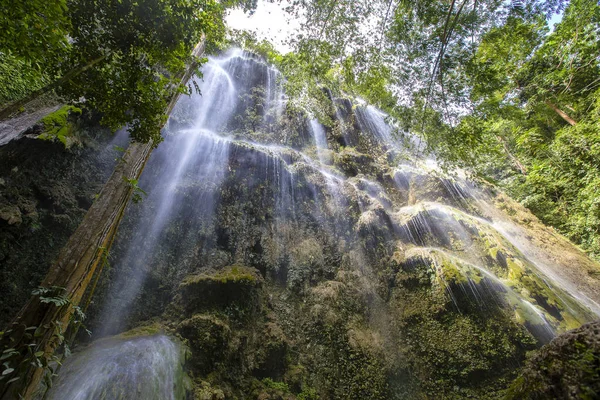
[(45, 191), (231, 285), (566, 368), (302, 261)]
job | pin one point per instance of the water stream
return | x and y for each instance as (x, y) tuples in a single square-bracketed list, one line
[(118, 368)]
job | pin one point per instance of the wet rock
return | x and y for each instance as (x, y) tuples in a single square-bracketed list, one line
[(351, 162), (11, 214), (208, 337), (38, 207), (234, 284), (272, 356), (305, 262), (566, 368)]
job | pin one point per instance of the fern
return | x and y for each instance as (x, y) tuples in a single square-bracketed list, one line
[(52, 295)]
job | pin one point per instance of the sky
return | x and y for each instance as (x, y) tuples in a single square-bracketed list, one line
[(269, 21), (555, 19)]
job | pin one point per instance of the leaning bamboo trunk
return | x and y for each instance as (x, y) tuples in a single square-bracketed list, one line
[(43, 323)]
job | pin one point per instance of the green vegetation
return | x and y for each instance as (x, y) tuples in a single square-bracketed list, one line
[(58, 127), (138, 192), (18, 79), (121, 58), (36, 353)]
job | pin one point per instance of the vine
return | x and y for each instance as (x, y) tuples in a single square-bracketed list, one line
[(35, 354)]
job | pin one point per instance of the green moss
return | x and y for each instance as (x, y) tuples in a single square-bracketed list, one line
[(271, 384), (233, 291), (58, 127), (144, 330), (233, 274), (450, 272)]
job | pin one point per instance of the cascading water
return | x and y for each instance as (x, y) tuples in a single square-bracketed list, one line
[(233, 185), (115, 368), (320, 137)]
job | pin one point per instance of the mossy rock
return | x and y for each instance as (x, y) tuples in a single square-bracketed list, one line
[(272, 355), (306, 263), (11, 214), (456, 346), (375, 223), (205, 391), (269, 389), (58, 126), (566, 368), (475, 291), (236, 284), (208, 337), (352, 162), (145, 330)]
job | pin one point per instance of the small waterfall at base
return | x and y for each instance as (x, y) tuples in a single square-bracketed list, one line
[(144, 368), (274, 245)]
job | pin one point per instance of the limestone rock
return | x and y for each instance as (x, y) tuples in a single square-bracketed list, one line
[(566, 368)]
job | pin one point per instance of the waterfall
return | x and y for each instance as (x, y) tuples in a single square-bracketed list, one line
[(320, 137), (240, 180), (143, 368)]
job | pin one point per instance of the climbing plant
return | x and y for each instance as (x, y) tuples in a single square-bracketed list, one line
[(13, 364)]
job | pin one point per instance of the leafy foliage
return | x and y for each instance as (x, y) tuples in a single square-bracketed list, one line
[(32, 346), (34, 31), (138, 192), (123, 58), (534, 129), (17, 78), (51, 295)]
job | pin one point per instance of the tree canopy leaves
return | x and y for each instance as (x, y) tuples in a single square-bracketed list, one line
[(119, 57)]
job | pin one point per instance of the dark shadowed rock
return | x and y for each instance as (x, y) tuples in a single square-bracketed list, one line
[(566, 368)]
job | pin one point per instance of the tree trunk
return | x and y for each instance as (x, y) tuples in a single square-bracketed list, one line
[(14, 107), (71, 274), (512, 157), (562, 114)]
